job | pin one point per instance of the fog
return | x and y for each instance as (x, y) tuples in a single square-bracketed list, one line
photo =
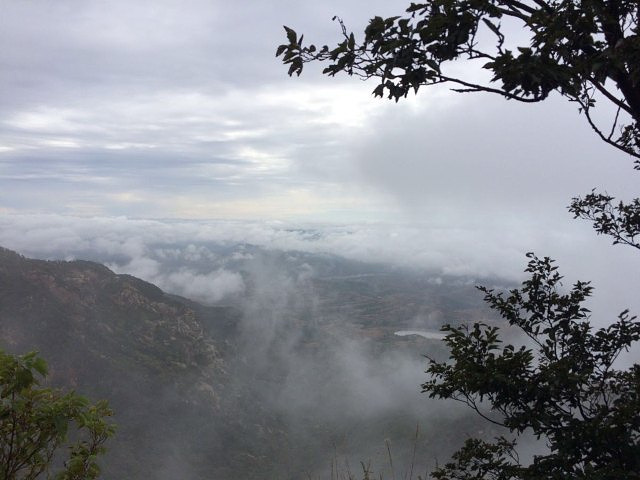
[(164, 140), (325, 344), (340, 392), (197, 258), (314, 355)]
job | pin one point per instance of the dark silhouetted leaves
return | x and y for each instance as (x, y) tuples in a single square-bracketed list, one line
[(578, 49), (563, 386)]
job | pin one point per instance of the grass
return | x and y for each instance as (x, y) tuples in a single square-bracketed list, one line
[(341, 470)]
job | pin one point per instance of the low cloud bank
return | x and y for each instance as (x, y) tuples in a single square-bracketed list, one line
[(196, 258), (314, 376)]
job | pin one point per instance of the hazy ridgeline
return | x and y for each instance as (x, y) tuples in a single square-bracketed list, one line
[(307, 372)]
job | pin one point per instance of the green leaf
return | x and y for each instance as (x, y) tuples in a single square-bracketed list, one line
[(291, 35), (40, 366), (494, 28)]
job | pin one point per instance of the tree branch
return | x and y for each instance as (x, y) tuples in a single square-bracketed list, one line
[(612, 98), (613, 143), (472, 87)]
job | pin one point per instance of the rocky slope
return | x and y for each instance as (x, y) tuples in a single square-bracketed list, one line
[(153, 356), (304, 367)]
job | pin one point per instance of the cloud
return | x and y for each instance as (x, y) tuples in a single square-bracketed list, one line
[(156, 249), (207, 288), (167, 111), (117, 112), (173, 111), (263, 267), (141, 267), (164, 109)]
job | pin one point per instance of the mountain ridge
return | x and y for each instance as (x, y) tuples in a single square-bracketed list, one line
[(305, 362), (152, 355)]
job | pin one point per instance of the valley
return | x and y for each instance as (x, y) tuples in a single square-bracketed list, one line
[(305, 367)]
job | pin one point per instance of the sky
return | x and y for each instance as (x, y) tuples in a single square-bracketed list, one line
[(179, 110)]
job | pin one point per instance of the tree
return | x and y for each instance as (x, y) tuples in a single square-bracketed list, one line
[(44, 429), (587, 51), (564, 387), (581, 49)]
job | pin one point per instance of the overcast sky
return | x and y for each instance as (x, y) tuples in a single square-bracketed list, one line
[(179, 109)]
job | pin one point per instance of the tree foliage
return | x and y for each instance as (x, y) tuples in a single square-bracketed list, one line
[(584, 50), (44, 432), (587, 51), (563, 386), (620, 221)]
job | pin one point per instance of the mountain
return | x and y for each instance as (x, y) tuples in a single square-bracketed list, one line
[(154, 356), (89, 313), (304, 367)]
